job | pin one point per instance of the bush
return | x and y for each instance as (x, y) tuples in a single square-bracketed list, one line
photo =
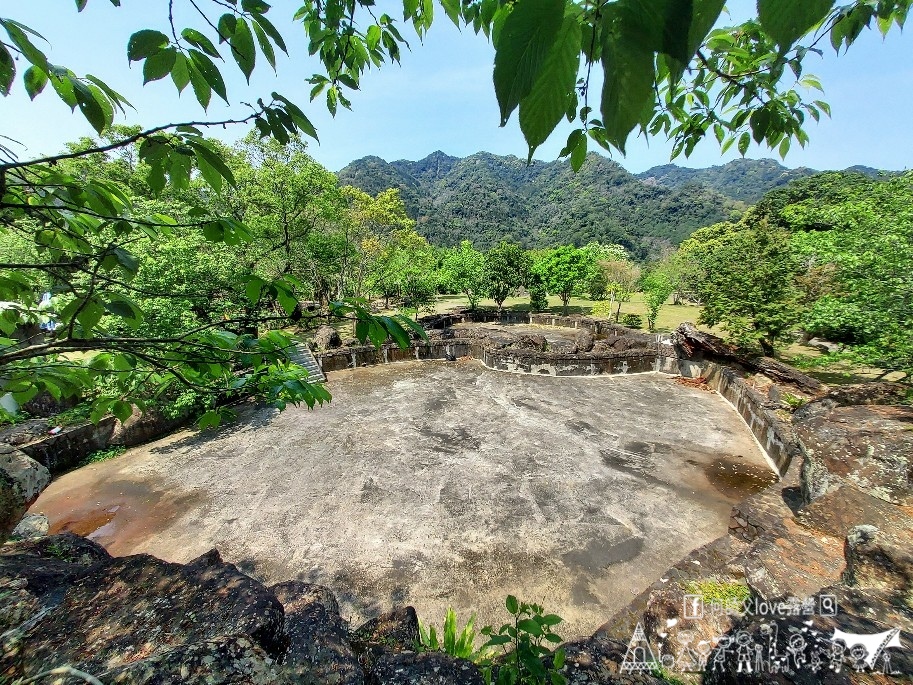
[(602, 309), (632, 320), (538, 299)]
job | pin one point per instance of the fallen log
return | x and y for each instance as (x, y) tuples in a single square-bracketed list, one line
[(690, 340)]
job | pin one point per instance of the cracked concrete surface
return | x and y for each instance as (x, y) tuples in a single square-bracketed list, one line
[(439, 485)]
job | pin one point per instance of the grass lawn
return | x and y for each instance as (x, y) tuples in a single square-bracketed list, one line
[(670, 316)]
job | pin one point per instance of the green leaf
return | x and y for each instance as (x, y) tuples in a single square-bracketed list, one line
[(180, 72), (513, 606), (553, 91), (209, 72), (201, 88), (35, 79), (226, 28), (523, 45), (242, 48), (7, 71), (628, 86), (787, 20), (210, 419), (198, 40), (252, 289), (94, 106), (265, 46), (122, 410), (90, 315), (159, 65), (18, 34), (271, 31), (213, 159), (578, 154), (744, 142), (145, 43)]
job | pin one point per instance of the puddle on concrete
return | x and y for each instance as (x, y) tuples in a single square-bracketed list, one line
[(120, 515), (735, 478)]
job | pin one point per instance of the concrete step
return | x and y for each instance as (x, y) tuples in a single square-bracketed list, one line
[(303, 356)]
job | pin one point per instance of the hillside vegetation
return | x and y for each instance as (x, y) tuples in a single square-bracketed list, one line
[(485, 198)]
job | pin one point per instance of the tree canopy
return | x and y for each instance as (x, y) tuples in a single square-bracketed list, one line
[(78, 233)]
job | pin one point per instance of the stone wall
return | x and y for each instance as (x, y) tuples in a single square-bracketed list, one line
[(70, 446), (775, 436)]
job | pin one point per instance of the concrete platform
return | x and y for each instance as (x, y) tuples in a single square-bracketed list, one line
[(439, 484)]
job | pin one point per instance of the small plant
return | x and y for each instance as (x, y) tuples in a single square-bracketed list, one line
[(455, 642), (731, 596), (602, 309), (660, 673), (526, 656), (792, 401), (632, 320), (104, 455)]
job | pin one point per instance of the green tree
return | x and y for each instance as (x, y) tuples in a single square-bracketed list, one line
[(665, 71), (622, 277), (747, 282), (564, 271), (656, 288), (463, 270), (507, 268)]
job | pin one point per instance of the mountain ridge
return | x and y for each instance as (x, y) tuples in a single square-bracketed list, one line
[(486, 197)]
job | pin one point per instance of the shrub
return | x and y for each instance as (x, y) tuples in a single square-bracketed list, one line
[(524, 643), (632, 320), (602, 309), (538, 299)]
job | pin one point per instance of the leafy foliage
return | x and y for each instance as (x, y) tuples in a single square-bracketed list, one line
[(529, 660), (453, 641), (564, 270)]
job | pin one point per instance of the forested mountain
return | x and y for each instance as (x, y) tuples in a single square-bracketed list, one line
[(741, 179), (747, 180), (486, 197)]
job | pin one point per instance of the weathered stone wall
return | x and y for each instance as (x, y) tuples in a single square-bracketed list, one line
[(775, 436), (69, 447)]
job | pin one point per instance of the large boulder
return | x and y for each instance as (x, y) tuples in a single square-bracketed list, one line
[(143, 426), (231, 660), (881, 561), (21, 481), (869, 447), (318, 638), (390, 633), (534, 343), (430, 668), (598, 659), (327, 338), (138, 607), (584, 340)]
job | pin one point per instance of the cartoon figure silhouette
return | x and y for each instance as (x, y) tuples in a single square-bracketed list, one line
[(722, 651), (796, 649), (859, 654), (744, 645)]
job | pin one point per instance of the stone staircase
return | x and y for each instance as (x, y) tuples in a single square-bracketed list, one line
[(302, 355)]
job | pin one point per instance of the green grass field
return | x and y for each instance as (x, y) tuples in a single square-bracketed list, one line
[(670, 316)]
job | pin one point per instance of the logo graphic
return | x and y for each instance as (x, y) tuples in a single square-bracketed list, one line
[(639, 656), (873, 644), (694, 606)]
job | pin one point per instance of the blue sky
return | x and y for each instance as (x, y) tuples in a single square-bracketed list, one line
[(441, 98)]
